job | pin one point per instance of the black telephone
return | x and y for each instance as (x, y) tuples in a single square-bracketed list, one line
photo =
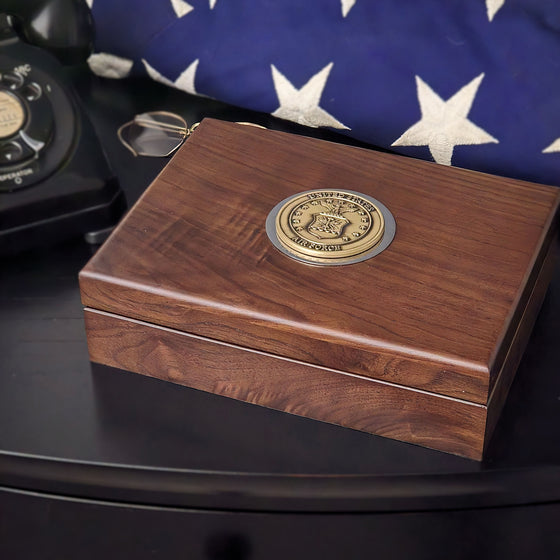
[(55, 181)]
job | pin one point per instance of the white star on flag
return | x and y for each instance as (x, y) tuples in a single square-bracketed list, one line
[(184, 82), (302, 105), (212, 4), (492, 7), (110, 65), (554, 147), (181, 8), (444, 124), (347, 5)]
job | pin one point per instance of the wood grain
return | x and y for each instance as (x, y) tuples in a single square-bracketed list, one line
[(314, 392), (524, 325), (437, 311)]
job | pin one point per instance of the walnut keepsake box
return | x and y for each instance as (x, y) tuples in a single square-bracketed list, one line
[(368, 290)]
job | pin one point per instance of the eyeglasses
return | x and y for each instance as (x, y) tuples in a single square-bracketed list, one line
[(155, 134)]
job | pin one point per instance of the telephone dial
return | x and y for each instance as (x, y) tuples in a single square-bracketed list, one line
[(55, 181)]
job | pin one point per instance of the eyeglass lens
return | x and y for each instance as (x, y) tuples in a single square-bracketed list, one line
[(156, 134)]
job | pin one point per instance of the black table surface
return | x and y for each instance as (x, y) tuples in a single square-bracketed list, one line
[(72, 429)]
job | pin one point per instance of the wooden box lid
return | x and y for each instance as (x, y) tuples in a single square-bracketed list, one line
[(437, 311)]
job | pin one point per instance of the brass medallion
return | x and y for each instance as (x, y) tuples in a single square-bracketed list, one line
[(12, 114), (330, 227)]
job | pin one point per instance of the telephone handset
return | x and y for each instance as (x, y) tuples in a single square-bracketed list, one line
[(55, 181)]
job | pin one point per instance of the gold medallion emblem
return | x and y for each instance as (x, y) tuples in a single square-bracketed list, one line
[(12, 114), (330, 226)]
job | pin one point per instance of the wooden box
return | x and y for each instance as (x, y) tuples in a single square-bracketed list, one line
[(419, 343)]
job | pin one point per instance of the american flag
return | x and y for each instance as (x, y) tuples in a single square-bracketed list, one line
[(468, 83)]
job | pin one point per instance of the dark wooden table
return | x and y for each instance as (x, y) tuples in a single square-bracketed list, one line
[(96, 461)]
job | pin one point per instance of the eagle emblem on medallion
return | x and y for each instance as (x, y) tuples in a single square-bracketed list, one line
[(330, 223)]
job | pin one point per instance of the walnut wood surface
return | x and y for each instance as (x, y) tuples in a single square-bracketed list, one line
[(436, 311), (407, 415), (524, 324)]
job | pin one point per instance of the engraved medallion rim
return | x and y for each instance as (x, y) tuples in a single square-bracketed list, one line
[(362, 249), (364, 237)]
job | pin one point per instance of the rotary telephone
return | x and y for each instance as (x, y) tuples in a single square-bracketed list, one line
[(55, 181)]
